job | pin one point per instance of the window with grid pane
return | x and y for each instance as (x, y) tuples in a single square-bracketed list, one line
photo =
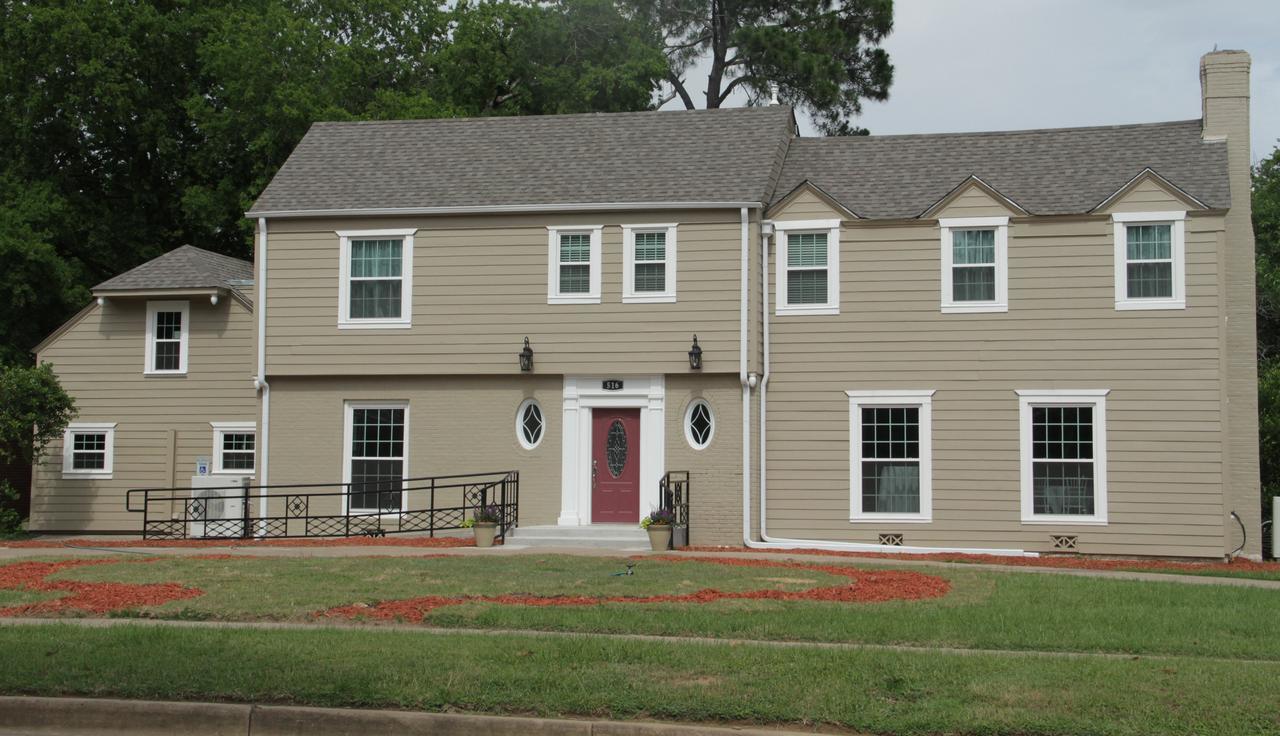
[(377, 458), (1062, 460), (237, 450), (1149, 261), (89, 450), (973, 265), (376, 279), (167, 349), (575, 263), (650, 262), (807, 268), (890, 460)]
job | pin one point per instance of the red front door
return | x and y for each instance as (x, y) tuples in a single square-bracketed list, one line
[(615, 466)]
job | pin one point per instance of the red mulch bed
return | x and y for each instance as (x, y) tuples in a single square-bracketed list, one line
[(1055, 561), (391, 541), (85, 597), (866, 586)]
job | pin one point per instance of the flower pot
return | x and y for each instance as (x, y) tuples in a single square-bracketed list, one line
[(659, 537), (485, 531)]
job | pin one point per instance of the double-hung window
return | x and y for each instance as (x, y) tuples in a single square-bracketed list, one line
[(376, 461), (890, 455), (1150, 260), (1064, 456), (573, 276), (808, 267), (375, 285), (975, 264), (234, 444), (168, 324), (649, 263), (88, 449)]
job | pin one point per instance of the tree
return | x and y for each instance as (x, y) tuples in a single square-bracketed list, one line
[(822, 56), (1266, 230), (34, 411)]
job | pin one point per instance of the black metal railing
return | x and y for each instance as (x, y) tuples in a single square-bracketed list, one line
[(429, 504), (673, 495)]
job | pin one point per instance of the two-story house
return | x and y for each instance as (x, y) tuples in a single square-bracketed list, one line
[(998, 342)]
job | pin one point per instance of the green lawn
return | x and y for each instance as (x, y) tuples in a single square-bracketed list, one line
[(867, 691), (984, 609)]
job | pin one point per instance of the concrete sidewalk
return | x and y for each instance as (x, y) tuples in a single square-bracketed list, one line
[(101, 717)]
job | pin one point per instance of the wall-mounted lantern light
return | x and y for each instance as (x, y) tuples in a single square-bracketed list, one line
[(526, 357), (695, 355)]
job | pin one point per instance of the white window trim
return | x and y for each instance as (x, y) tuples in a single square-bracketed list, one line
[(221, 428), (103, 473), (795, 227), (150, 352), (405, 320), (1096, 398), (1178, 251), (629, 293), (348, 411), (688, 430), (520, 424), (921, 398), (553, 265), (1001, 225)]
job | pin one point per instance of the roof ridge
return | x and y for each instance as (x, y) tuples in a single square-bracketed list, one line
[(512, 119), (987, 133)]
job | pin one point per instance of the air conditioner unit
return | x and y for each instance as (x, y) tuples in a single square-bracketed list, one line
[(216, 508)]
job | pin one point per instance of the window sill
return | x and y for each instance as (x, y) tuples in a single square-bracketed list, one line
[(805, 311), (649, 299), (983, 308), (890, 518), (68, 475), (1135, 304), (164, 374), (248, 472), (579, 299), (375, 325), (1065, 521)]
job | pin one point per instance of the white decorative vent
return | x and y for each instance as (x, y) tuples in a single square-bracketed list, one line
[(1064, 542), (891, 540)]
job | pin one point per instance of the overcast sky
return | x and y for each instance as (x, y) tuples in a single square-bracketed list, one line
[(966, 65)]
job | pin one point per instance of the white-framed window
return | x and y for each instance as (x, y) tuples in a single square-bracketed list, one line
[(649, 263), (1064, 455), (375, 438), (168, 324), (975, 264), (573, 274), (375, 278), (88, 449), (234, 446), (808, 267), (699, 424), (531, 424), (1150, 260), (891, 455)]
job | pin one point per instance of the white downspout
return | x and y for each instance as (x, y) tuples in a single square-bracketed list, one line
[(767, 542), (742, 372), (260, 381)]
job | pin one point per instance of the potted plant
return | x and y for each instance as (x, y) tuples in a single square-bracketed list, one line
[(484, 522), (658, 524)]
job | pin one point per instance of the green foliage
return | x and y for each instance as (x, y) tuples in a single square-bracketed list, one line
[(34, 411), (823, 56), (10, 520), (1266, 229)]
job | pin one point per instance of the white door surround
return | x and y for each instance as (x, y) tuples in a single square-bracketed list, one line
[(581, 393)]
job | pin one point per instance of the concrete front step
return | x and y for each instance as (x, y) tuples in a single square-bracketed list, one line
[(600, 536)]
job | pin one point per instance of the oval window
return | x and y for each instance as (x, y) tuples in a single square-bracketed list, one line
[(699, 424), (530, 425)]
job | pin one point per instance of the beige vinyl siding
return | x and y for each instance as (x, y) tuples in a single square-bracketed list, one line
[(1147, 195), (806, 205), (715, 472), (972, 201), (162, 422), (1164, 415), (480, 287)]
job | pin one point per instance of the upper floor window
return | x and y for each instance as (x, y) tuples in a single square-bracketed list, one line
[(649, 268), (1064, 456), (891, 454), (88, 449), (1150, 260), (975, 264), (375, 284), (808, 267), (168, 324), (574, 265), (233, 447)]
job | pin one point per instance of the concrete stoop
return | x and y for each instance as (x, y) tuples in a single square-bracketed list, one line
[(619, 537), (32, 716)]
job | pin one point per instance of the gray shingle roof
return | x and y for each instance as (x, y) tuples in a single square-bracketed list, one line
[(1055, 171), (185, 267), (665, 156)]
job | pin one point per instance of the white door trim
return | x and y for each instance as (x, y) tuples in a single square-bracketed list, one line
[(581, 394)]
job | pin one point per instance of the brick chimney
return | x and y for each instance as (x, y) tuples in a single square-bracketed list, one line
[(1224, 92)]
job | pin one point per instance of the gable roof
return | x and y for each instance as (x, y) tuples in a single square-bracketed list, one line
[(184, 267), (507, 163), (1046, 172)]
